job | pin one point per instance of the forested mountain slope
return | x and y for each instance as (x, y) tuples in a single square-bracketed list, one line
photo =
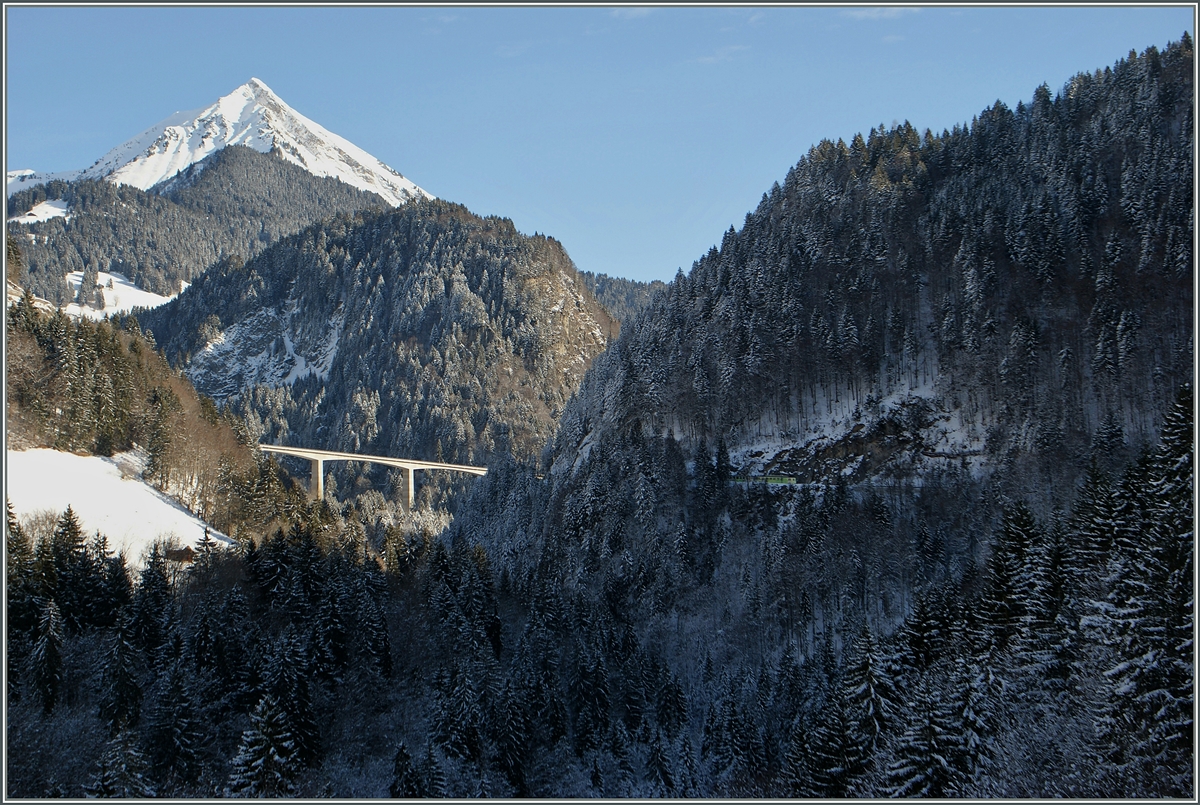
[(423, 332), (957, 344), (1022, 284), (622, 298), (235, 202), (92, 387)]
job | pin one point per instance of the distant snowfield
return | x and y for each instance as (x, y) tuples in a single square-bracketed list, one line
[(18, 180), (107, 494), (43, 212), (123, 297)]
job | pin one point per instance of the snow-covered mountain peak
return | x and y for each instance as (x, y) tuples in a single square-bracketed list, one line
[(254, 116)]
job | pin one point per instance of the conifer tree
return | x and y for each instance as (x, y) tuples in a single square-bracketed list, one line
[(330, 640), (1094, 529), (458, 717), (1175, 542), (117, 588), (1147, 728), (102, 593), (925, 753), (511, 737), (222, 645), (376, 640), (20, 598), (72, 569), (121, 692), (659, 769), (122, 771), (921, 635), (672, 705), (406, 778), (176, 733), (266, 762), (45, 660), (871, 697), (1012, 584), (795, 779), (969, 712), (433, 774), (589, 699), (152, 605), (286, 679), (836, 756), (206, 554), (19, 575)]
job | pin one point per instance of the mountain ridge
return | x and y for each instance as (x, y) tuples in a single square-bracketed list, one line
[(236, 201)]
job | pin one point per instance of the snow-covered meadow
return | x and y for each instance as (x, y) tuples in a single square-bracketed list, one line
[(120, 295), (44, 211), (107, 494)]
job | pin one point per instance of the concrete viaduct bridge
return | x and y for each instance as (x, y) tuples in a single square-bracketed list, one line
[(316, 487)]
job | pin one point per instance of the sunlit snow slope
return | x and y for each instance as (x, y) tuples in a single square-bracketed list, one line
[(107, 494)]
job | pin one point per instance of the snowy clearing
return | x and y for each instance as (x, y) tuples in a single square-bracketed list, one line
[(43, 212), (107, 494), (122, 297)]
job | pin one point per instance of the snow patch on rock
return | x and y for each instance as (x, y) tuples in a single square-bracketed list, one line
[(268, 348)]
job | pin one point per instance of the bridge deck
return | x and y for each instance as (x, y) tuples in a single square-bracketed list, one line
[(407, 465)]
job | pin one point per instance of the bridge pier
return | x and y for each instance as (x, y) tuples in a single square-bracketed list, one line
[(316, 483), (406, 488)]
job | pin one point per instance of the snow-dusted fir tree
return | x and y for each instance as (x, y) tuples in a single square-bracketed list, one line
[(286, 679), (45, 659), (406, 777), (266, 763), (925, 754), (152, 606), (836, 756), (20, 596), (1149, 615), (870, 692), (177, 732), (433, 774), (121, 686), (122, 771)]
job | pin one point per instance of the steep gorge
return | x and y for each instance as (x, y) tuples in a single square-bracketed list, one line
[(424, 331)]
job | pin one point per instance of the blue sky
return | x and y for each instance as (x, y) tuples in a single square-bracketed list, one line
[(635, 136)]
